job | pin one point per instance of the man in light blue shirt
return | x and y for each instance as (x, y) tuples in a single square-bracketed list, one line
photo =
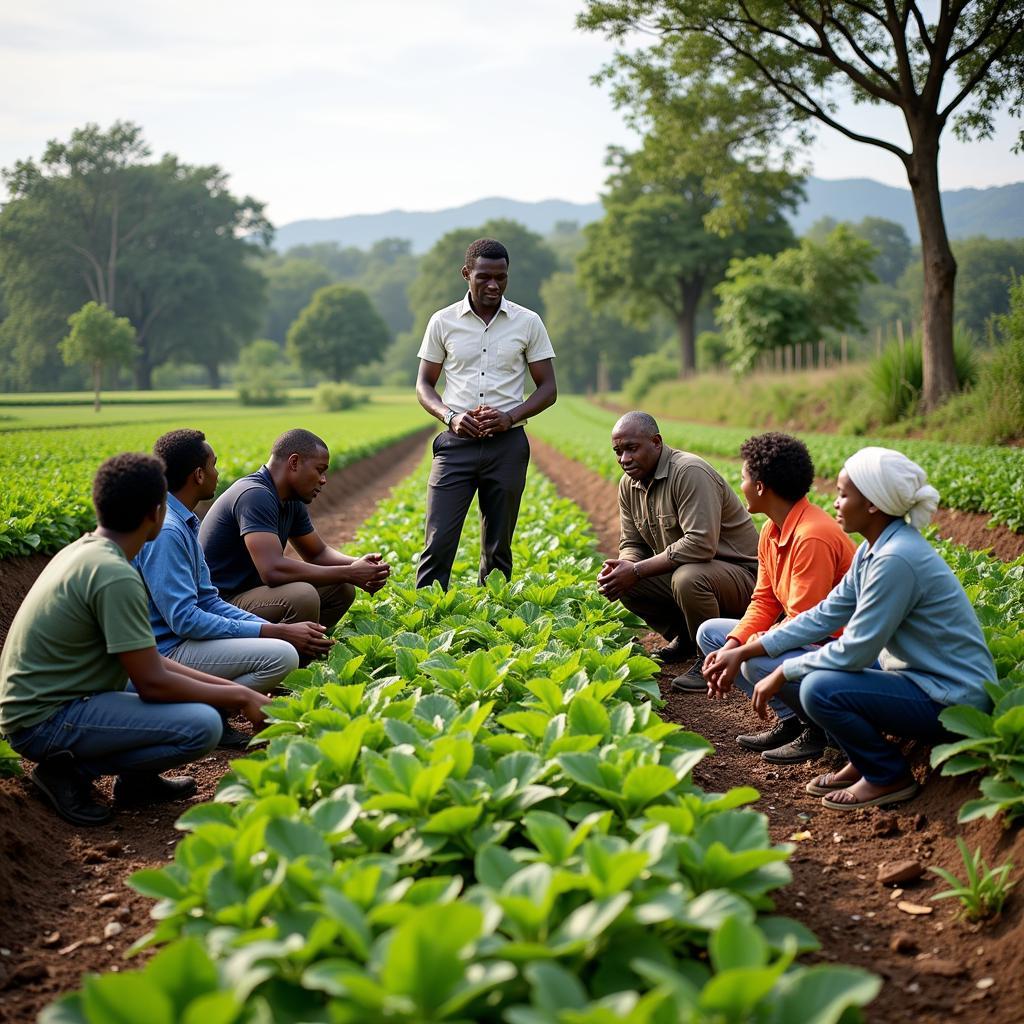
[(192, 624)]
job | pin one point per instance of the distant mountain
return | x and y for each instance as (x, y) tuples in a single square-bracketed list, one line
[(424, 229), (997, 212)]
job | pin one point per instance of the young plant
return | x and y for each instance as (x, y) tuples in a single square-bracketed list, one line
[(983, 892)]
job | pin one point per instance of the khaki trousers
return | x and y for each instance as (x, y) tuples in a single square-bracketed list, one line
[(675, 604), (298, 602)]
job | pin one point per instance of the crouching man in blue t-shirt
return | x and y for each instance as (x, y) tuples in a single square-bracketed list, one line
[(82, 631)]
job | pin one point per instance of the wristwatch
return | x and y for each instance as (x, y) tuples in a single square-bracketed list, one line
[(449, 416)]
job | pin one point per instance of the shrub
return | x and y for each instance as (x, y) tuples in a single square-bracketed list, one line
[(1001, 384), (262, 374), (712, 349), (337, 397), (896, 377), (646, 371)]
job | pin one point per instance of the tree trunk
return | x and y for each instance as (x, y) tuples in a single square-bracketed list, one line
[(213, 372), (97, 379), (690, 290), (143, 373), (939, 275)]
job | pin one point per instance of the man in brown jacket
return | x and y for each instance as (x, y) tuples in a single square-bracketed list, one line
[(687, 546)]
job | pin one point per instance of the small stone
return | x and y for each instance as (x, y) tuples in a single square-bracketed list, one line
[(52, 939), (895, 894), (913, 987), (920, 823), (903, 943), (891, 872), (112, 928), (836, 837), (985, 983), (942, 968), (5, 952), (915, 909), (108, 899), (885, 825)]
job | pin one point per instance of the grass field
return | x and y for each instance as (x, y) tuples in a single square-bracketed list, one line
[(47, 470)]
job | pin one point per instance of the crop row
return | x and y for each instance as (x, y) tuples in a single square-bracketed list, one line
[(47, 475), (973, 478), (470, 812)]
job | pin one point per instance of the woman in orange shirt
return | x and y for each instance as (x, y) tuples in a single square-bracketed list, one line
[(801, 555)]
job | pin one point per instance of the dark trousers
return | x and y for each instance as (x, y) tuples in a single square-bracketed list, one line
[(494, 468)]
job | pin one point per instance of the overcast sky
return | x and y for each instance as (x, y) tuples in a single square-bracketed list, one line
[(323, 108)]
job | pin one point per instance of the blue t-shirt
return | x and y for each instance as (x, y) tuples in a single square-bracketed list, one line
[(249, 505)]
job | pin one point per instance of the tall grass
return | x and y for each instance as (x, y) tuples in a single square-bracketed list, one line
[(896, 377)]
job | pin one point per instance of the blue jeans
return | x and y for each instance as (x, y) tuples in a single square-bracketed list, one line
[(855, 708), (711, 636), (116, 732)]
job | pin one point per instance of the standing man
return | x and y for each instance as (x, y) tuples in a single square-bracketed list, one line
[(485, 344), (245, 532), (192, 623), (687, 547)]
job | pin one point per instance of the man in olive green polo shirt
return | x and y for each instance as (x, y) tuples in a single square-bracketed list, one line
[(687, 546)]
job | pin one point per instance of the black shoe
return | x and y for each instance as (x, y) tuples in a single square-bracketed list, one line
[(691, 681), (808, 746), (69, 792), (678, 650), (141, 788), (234, 739), (784, 730)]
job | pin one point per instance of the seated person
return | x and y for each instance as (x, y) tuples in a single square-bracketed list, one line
[(245, 532), (82, 631), (802, 554), (192, 623), (900, 604), (687, 547)]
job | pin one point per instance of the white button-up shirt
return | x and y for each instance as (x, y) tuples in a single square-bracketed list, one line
[(485, 364)]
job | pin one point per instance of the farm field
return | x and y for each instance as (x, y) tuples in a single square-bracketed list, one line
[(472, 810), (971, 478), (47, 473)]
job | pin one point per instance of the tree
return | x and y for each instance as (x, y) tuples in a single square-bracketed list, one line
[(986, 268), (653, 248), (337, 332), (439, 280), (767, 302), (98, 339), (594, 347), (787, 62), (893, 249), (162, 242), (291, 283)]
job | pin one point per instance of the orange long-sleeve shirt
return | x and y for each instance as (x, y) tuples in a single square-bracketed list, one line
[(797, 567)]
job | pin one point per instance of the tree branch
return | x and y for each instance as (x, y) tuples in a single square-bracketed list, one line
[(98, 270), (979, 74), (922, 28), (800, 99)]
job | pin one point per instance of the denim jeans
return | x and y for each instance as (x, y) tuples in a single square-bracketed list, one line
[(117, 732), (855, 708), (711, 636), (258, 662)]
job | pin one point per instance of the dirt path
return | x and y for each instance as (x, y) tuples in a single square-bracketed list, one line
[(835, 889), (62, 888)]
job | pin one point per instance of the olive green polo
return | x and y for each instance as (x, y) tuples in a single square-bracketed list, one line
[(685, 510)]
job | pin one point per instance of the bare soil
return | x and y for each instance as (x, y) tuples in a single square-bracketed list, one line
[(62, 888), (945, 970)]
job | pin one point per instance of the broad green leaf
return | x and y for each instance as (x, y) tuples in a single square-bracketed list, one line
[(125, 999), (646, 783), (587, 717), (293, 839)]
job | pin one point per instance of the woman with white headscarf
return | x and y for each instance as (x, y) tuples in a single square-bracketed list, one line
[(911, 645)]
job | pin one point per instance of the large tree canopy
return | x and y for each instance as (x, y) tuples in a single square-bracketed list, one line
[(654, 250), (163, 243), (780, 65)]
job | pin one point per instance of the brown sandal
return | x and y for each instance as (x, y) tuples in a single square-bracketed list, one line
[(907, 792), (821, 786)]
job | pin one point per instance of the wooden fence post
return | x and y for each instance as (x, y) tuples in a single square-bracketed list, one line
[(845, 350), (821, 354)]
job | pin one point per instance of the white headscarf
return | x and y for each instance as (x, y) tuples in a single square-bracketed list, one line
[(893, 483)]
